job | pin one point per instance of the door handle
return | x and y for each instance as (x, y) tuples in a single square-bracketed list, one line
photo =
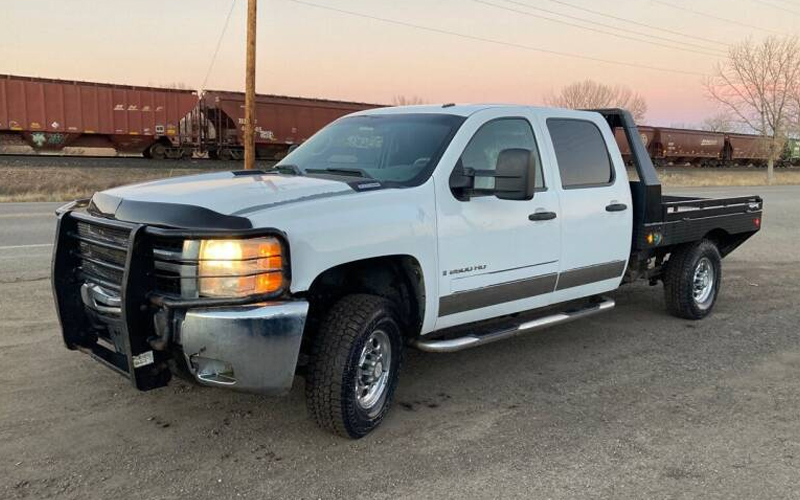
[(536, 216), (616, 207)]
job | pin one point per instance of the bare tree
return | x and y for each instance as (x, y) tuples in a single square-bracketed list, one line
[(723, 121), (591, 94), (403, 100), (758, 83)]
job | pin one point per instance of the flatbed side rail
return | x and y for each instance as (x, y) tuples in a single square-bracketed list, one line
[(709, 207)]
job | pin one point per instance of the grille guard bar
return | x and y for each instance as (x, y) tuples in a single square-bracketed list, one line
[(145, 361)]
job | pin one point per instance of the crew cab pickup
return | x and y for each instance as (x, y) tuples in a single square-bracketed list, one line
[(433, 227)]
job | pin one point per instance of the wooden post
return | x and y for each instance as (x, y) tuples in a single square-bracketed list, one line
[(250, 90)]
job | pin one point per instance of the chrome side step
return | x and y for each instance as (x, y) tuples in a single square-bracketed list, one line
[(474, 340)]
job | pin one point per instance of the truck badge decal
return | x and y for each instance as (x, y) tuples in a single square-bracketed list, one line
[(479, 267)]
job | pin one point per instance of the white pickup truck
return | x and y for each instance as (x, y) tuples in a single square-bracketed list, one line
[(434, 227)]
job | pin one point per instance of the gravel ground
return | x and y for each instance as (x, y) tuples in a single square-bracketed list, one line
[(630, 404)]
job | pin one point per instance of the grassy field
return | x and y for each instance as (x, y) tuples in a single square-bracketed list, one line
[(63, 179), (688, 177)]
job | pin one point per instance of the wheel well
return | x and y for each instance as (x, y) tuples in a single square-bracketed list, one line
[(397, 278), (725, 242)]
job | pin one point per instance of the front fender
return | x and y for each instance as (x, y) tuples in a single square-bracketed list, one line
[(327, 233)]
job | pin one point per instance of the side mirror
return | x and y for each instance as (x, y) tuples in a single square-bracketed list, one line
[(515, 175)]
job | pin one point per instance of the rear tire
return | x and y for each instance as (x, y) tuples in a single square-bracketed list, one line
[(692, 280), (354, 364)]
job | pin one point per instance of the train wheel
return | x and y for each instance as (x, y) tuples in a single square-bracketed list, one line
[(225, 154), (158, 152)]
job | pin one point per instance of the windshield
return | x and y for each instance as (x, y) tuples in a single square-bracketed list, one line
[(401, 149)]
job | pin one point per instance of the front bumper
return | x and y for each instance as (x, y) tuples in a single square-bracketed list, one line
[(122, 320), (247, 348)]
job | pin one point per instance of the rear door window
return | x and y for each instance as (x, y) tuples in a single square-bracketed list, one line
[(581, 152)]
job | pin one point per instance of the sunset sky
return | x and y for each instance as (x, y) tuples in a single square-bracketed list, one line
[(469, 51)]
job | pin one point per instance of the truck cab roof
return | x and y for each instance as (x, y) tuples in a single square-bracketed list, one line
[(466, 110)]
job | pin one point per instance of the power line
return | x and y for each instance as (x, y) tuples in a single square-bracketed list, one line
[(712, 16), (638, 23), (219, 43), (493, 41), (762, 2), (604, 32), (596, 23)]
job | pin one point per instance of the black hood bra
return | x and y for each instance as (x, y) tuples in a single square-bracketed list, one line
[(175, 215), (179, 215)]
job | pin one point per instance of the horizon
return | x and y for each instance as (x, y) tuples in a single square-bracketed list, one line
[(373, 51)]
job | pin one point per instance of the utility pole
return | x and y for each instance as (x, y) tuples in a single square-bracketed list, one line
[(250, 90)]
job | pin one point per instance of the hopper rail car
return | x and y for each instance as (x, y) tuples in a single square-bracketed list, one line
[(49, 115)]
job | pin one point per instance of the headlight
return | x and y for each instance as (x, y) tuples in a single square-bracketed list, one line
[(238, 268)]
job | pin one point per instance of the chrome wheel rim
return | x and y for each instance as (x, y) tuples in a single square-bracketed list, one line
[(372, 374), (703, 282)]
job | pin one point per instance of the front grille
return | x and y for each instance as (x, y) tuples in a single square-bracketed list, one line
[(102, 252), (175, 271)]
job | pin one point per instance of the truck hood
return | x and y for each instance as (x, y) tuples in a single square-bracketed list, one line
[(217, 200)]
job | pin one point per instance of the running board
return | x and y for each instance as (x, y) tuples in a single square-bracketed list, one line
[(474, 340)]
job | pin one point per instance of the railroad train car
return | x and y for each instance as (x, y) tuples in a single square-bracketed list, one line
[(744, 147), (280, 121), (52, 114), (671, 146), (688, 146), (646, 134), (49, 115)]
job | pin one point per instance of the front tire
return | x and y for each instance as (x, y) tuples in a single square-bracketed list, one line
[(692, 280), (354, 364)]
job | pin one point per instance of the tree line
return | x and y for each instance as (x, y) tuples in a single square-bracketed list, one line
[(757, 87)]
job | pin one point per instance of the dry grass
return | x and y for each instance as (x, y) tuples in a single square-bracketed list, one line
[(721, 177), (64, 184), (60, 183)]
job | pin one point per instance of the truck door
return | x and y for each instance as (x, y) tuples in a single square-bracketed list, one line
[(496, 257), (596, 211)]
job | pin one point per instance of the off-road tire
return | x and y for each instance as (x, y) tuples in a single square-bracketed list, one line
[(333, 364), (679, 279)]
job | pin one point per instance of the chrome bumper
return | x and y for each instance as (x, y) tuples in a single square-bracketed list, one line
[(247, 348)]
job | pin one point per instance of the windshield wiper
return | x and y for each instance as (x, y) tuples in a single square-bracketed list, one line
[(346, 171), (286, 169)]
